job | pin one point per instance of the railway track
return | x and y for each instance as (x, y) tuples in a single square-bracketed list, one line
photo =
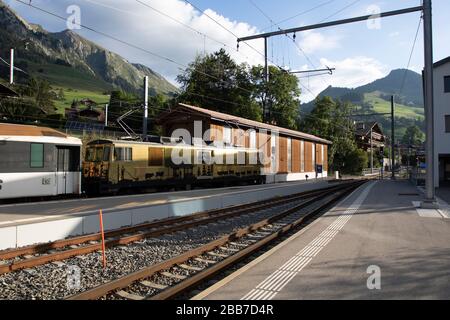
[(40, 254), (172, 277)]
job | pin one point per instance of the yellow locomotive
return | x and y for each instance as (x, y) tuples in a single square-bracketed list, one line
[(165, 163)]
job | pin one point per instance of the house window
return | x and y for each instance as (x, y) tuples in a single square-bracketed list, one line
[(289, 154), (323, 154), (274, 156), (314, 154), (37, 155), (252, 139), (447, 84), (302, 156), (447, 124), (227, 136)]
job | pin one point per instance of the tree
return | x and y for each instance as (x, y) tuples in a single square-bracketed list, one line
[(413, 136), (41, 92), (61, 95), (356, 161), (281, 94), (331, 120), (119, 103), (216, 82)]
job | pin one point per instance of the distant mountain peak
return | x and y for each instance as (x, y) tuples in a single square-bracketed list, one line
[(68, 49), (411, 95)]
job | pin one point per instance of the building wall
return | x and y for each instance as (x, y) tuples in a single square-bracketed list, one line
[(441, 109), (279, 166)]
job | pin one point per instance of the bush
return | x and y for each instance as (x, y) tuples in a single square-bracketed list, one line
[(356, 162)]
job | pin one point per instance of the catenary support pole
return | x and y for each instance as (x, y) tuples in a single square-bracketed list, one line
[(11, 68), (266, 79), (429, 108), (371, 150), (145, 121), (392, 137), (106, 114)]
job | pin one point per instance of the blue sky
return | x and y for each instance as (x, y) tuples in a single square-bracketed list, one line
[(361, 53)]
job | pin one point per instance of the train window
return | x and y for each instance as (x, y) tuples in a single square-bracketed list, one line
[(98, 154), (123, 154), (106, 153), (37, 155), (89, 156)]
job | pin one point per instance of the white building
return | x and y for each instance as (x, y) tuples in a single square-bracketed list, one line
[(442, 122)]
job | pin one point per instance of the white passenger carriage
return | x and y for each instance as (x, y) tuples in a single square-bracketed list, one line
[(38, 161)]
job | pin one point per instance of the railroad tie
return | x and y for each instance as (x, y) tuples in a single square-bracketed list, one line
[(129, 296), (59, 263), (153, 285), (264, 233), (242, 245), (205, 261), (257, 236), (220, 255), (190, 268), (173, 276), (229, 249)]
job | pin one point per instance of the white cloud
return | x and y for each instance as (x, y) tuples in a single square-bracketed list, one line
[(312, 42), (144, 27), (394, 34), (350, 73)]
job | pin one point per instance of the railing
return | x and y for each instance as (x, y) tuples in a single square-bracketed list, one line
[(371, 172)]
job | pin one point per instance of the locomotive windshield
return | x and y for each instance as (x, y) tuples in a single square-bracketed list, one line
[(97, 154)]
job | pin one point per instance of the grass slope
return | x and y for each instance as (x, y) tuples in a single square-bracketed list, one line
[(401, 111)]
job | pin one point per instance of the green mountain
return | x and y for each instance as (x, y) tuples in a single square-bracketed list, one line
[(375, 98), (68, 60)]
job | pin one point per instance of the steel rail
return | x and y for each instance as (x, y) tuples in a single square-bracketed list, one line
[(38, 248), (204, 275), (162, 227), (123, 282)]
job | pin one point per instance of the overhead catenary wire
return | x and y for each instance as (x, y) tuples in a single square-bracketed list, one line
[(226, 29), (106, 35), (180, 65), (287, 35), (302, 13), (189, 27), (15, 68), (410, 57)]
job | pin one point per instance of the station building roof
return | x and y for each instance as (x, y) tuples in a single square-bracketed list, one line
[(242, 122), (7, 92)]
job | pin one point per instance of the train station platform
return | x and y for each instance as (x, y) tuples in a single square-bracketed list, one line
[(375, 244), (30, 223)]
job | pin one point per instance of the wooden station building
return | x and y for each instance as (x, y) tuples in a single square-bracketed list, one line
[(291, 155)]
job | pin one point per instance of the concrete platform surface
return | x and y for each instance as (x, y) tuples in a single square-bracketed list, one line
[(375, 244), (26, 224), (30, 212)]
